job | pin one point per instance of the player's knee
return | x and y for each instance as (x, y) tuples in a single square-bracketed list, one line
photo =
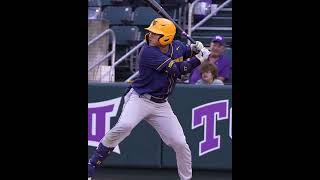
[(119, 131), (127, 128), (122, 128), (179, 144)]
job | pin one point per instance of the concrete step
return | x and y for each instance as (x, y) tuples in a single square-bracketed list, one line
[(221, 2), (221, 32), (225, 12), (219, 22), (215, 28)]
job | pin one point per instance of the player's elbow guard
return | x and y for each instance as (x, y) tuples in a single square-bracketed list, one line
[(185, 67)]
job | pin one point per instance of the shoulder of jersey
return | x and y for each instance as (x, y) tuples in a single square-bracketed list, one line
[(176, 42), (149, 48), (147, 52)]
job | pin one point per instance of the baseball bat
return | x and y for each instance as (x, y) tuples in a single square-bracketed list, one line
[(164, 14)]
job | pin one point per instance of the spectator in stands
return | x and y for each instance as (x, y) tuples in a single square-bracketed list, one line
[(201, 10), (209, 74), (217, 58)]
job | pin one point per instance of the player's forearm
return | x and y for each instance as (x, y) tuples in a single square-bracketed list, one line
[(186, 67), (176, 69), (195, 62)]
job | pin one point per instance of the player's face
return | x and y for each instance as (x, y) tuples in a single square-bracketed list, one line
[(216, 49), (207, 76), (154, 39)]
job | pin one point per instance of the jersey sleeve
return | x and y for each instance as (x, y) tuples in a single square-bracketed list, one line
[(187, 66), (187, 53)]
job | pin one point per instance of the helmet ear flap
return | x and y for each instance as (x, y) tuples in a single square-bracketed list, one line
[(165, 40), (160, 39), (146, 37)]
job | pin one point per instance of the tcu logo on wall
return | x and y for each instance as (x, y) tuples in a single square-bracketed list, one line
[(99, 115), (207, 116)]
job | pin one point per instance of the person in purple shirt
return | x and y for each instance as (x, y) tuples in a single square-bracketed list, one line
[(161, 61), (217, 58)]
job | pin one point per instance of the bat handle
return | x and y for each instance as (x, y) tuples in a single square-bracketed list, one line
[(190, 38)]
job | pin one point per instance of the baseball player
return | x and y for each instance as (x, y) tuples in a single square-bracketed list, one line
[(161, 61)]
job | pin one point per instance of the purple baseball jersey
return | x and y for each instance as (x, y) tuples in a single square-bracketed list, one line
[(153, 65)]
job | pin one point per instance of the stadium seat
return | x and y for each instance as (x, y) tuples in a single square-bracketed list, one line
[(125, 35), (144, 16), (106, 2), (132, 3), (99, 3), (172, 3), (117, 15)]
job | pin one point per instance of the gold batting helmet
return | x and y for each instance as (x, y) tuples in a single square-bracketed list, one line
[(165, 27)]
